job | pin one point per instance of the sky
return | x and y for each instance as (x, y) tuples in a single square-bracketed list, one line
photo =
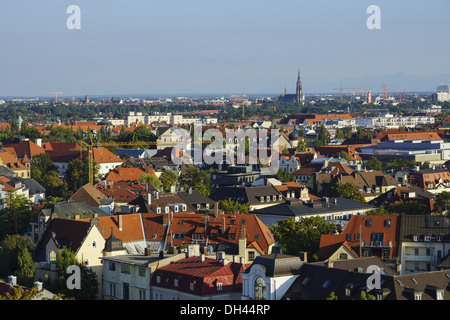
[(181, 47)]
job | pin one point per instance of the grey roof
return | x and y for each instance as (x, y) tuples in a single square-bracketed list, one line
[(424, 225), (68, 209), (316, 282), (33, 186), (244, 194), (278, 264), (193, 198), (292, 208)]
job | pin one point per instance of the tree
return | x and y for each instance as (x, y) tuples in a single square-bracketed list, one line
[(27, 268), (230, 206), (197, 179), (45, 172), (302, 235), (89, 285), (374, 164), (11, 247), (347, 190), (153, 179), (441, 204), (168, 179), (344, 155), (76, 176), (18, 210), (284, 176)]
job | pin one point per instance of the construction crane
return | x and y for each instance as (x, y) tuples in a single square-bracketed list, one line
[(402, 94), (90, 148), (385, 94), (55, 93), (341, 90), (239, 100)]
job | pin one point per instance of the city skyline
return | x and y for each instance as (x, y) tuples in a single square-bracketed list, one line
[(235, 47)]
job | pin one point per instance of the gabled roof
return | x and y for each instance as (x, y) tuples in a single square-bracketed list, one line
[(330, 243), (204, 275), (223, 229), (69, 209), (25, 147), (89, 194), (65, 233), (244, 194)]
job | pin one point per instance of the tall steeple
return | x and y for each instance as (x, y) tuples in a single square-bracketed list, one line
[(299, 91)]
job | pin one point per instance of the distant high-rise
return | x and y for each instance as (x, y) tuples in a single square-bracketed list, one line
[(294, 98)]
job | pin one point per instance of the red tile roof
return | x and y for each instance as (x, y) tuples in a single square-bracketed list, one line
[(330, 243), (202, 275)]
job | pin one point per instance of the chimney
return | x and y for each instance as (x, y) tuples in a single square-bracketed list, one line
[(190, 190), (149, 198), (38, 142), (12, 280), (216, 209), (120, 222), (220, 255), (330, 264), (167, 218), (38, 285), (192, 250), (303, 256), (147, 252), (223, 225), (77, 217)]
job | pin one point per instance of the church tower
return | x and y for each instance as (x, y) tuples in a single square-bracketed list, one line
[(299, 91)]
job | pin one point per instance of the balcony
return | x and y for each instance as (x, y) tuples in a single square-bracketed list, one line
[(377, 244)]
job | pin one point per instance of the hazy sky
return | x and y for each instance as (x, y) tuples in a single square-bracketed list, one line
[(212, 46)]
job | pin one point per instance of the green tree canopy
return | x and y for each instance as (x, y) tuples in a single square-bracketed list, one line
[(284, 176), (347, 190), (302, 235), (168, 179), (374, 164), (230, 207)]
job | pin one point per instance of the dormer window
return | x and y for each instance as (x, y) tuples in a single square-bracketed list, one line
[(368, 223), (415, 238)]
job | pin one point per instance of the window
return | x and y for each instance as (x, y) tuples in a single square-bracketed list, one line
[(326, 284), (219, 286), (175, 282), (368, 223), (158, 279), (306, 281), (416, 238), (440, 295), (191, 286), (94, 244), (417, 296), (125, 268), (357, 237), (348, 236), (112, 290), (343, 256), (416, 251), (141, 294), (260, 289), (141, 272), (112, 266), (387, 223)]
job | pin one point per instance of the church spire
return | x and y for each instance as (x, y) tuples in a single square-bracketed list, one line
[(299, 91)]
